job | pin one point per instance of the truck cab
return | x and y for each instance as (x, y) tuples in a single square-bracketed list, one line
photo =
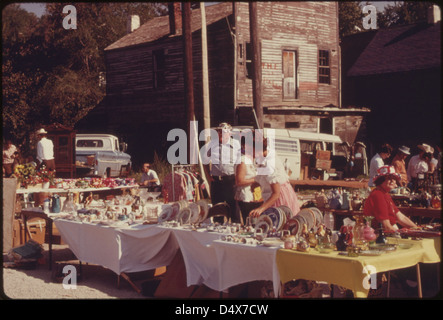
[(101, 155)]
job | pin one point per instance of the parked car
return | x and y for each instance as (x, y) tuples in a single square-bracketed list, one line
[(101, 155)]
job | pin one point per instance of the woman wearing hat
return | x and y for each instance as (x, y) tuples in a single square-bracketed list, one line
[(380, 205), (400, 166)]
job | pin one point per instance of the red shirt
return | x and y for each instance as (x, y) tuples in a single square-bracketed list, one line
[(380, 205)]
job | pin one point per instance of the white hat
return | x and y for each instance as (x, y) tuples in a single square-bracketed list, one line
[(426, 148), (41, 131), (405, 150), (224, 126)]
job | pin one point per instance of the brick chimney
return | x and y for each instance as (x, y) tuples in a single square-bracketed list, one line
[(434, 14), (133, 23), (175, 17)]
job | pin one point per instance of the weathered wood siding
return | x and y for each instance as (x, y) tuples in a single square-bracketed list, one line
[(130, 87), (305, 27)]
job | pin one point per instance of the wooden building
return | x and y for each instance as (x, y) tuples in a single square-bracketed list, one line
[(300, 56)]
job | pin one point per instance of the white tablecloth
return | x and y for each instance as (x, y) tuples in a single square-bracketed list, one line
[(239, 263), (208, 260), (199, 257), (126, 249)]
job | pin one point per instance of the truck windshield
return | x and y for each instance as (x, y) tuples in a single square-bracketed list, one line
[(90, 143)]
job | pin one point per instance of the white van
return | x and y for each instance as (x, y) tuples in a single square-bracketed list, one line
[(297, 148)]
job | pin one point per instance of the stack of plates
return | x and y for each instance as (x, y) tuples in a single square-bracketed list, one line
[(184, 216), (274, 218)]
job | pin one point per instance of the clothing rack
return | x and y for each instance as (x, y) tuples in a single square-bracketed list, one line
[(173, 169)]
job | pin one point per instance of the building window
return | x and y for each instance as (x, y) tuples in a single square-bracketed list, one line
[(158, 69), (324, 67)]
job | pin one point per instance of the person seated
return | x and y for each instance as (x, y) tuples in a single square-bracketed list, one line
[(380, 205), (150, 178)]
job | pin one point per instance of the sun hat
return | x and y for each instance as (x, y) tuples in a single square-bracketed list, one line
[(426, 148), (224, 126), (405, 150), (386, 171), (41, 131)]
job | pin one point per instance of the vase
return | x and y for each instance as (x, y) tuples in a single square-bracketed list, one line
[(45, 185)]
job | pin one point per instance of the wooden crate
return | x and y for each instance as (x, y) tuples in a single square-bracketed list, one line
[(323, 155), (323, 164)]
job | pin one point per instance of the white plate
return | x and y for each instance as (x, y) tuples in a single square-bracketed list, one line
[(272, 243), (195, 212), (371, 252)]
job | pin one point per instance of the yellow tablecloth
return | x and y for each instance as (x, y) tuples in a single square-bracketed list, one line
[(349, 272)]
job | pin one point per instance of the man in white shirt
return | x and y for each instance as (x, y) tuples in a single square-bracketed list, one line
[(378, 161), (418, 165), (225, 153), (150, 178), (45, 151)]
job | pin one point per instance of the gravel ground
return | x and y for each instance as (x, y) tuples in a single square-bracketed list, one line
[(95, 281)]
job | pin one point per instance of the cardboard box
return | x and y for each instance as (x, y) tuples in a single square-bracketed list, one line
[(323, 155), (323, 164)]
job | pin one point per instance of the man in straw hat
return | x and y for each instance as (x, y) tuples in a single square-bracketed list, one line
[(399, 164), (419, 164), (380, 205), (45, 150)]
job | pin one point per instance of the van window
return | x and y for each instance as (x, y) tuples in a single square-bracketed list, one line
[(285, 145), (89, 143)]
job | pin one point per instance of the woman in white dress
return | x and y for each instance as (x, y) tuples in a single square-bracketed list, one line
[(274, 182)]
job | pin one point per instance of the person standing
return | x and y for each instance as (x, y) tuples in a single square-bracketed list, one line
[(418, 165), (9, 157), (398, 162), (274, 182), (224, 154), (45, 151), (378, 161), (150, 178), (248, 192)]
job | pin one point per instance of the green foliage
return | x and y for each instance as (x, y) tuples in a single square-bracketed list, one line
[(52, 75), (350, 15)]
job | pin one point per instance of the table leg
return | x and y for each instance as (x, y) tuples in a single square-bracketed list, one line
[(389, 284), (420, 293), (49, 226), (125, 276)]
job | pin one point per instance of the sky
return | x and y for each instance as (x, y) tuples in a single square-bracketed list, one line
[(39, 8)]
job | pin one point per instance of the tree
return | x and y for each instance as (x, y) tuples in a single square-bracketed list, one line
[(350, 16), (51, 74), (404, 12)]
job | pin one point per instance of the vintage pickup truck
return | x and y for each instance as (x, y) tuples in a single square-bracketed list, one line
[(101, 155)]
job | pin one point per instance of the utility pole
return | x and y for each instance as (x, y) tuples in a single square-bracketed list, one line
[(205, 71), (188, 67), (189, 80), (256, 63)]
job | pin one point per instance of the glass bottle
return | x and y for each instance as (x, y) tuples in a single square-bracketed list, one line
[(381, 239), (69, 205)]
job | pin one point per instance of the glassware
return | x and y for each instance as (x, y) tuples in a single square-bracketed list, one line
[(69, 205), (368, 232), (359, 229), (381, 239)]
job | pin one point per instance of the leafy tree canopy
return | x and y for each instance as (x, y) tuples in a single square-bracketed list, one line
[(51, 74)]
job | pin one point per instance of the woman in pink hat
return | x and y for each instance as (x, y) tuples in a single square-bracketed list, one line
[(380, 205)]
